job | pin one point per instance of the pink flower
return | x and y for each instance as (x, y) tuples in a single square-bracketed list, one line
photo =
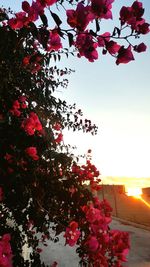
[(80, 17), (124, 55), (32, 124), (86, 46), (54, 42), (112, 47), (5, 251), (92, 243), (143, 28), (57, 126), (23, 102), (119, 243), (103, 38), (15, 109), (19, 21), (45, 3), (35, 10), (32, 152), (140, 48), (72, 234), (26, 60), (25, 6), (22, 98), (102, 8), (125, 14), (93, 214), (133, 17), (59, 138)]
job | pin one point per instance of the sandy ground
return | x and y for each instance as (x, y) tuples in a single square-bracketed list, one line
[(139, 255)]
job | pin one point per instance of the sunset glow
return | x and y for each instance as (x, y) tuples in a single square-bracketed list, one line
[(135, 192)]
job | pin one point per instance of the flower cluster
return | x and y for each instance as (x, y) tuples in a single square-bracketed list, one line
[(88, 173), (32, 124), (32, 62), (119, 243), (54, 43), (32, 152), (133, 16), (98, 244), (85, 40), (72, 234), (83, 15), (29, 13), (86, 46), (18, 105), (5, 251), (80, 17)]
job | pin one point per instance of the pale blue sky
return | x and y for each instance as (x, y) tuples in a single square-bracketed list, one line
[(117, 99)]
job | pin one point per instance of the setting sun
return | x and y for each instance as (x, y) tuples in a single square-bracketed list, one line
[(135, 192)]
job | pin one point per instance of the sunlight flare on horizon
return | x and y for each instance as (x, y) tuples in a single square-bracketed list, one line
[(135, 192)]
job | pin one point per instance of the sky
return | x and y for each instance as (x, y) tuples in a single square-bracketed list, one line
[(117, 100)]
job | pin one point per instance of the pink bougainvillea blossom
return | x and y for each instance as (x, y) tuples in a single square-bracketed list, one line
[(92, 243), (45, 3), (15, 110), (32, 152), (59, 138), (120, 244), (103, 38), (72, 234), (5, 251), (23, 102), (57, 126), (93, 214), (19, 21), (32, 124), (124, 55), (26, 60), (25, 6), (143, 28), (87, 46), (102, 8), (112, 47), (54, 42), (18, 105), (133, 17), (80, 17), (140, 48)]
